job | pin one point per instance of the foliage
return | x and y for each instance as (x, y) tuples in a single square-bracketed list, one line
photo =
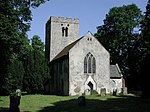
[(144, 44), (36, 67), (119, 35), (94, 92), (145, 32), (36, 3), (15, 18), (14, 22), (13, 78), (37, 44), (37, 72)]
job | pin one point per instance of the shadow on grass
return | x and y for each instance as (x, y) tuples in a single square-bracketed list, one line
[(120, 104), (2, 109), (7, 110)]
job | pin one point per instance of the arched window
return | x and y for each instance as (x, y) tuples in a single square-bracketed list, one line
[(85, 65), (89, 63), (65, 31)]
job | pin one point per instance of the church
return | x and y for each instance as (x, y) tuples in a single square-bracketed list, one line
[(78, 65)]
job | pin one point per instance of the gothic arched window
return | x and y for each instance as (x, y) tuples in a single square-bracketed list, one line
[(89, 63)]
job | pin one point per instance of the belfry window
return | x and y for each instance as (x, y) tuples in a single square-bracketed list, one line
[(65, 31), (89, 64)]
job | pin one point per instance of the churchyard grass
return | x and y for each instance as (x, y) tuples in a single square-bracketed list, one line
[(94, 103)]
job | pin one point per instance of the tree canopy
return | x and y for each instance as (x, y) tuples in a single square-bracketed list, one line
[(145, 32), (119, 35), (144, 45), (15, 19)]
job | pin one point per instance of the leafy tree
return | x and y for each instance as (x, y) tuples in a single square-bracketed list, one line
[(15, 18), (37, 72), (144, 43), (36, 3), (145, 32), (37, 44), (36, 67), (14, 22), (13, 78), (119, 34)]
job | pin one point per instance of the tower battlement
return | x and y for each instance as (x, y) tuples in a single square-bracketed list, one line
[(64, 20), (60, 32)]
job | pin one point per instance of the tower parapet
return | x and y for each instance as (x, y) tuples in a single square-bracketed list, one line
[(60, 32), (64, 20)]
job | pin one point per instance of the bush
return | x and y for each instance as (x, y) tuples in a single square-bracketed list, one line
[(94, 92)]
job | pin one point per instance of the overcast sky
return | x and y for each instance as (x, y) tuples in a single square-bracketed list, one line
[(90, 12)]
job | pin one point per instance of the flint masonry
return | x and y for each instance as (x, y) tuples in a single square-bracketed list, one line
[(77, 64)]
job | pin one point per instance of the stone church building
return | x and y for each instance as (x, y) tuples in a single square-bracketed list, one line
[(78, 64)]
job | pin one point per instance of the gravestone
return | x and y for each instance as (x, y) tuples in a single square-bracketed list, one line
[(81, 101), (114, 92), (87, 92), (124, 91), (103, 91), (15, 101)]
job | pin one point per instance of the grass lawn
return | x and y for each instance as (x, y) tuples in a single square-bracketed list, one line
[(52, 103)]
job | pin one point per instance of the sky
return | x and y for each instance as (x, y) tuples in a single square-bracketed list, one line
[(91, 13)]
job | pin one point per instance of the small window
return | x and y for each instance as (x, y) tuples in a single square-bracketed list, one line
[(65, 31)]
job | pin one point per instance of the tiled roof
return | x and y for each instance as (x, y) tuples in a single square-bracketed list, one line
[(115, 72)]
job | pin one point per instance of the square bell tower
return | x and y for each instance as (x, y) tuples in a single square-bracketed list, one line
[(60, 32)]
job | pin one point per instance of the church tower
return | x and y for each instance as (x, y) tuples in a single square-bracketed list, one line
[(60, 32)]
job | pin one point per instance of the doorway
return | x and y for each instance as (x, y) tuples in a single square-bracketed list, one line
[(90, 85)]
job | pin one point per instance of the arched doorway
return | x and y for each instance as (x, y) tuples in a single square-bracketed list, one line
[(90, 85)]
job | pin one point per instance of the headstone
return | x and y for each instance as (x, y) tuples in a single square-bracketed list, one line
[(114, 92), (81, 101), (87, 92), (15, 101), (103, 91), (124, 91)]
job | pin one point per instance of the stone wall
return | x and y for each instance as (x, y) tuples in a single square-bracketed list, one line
[(59, 76), (56, 29), (77, 77), (116, 84)]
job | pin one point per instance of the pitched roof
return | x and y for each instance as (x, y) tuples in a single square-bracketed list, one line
[(115, 71), (66, 50)]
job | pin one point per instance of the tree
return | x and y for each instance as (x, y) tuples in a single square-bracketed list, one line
[(15, 18), (145, 32), (119, 34), (14, 22), (37, 72), (13, 78), (144, 44), (36, 67), (37, 44)]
